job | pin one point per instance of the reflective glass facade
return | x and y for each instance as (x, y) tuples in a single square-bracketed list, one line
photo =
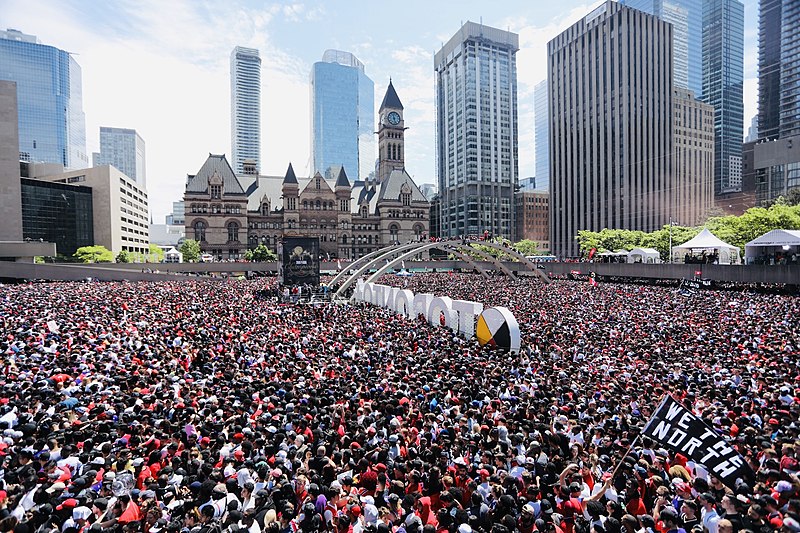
[(542, 133), (686, 17), (245, 108), (342, 116), (52, 126), (59, 213), (476, 131), (790, 69), (124, 149), (769, 68), (723, 76)]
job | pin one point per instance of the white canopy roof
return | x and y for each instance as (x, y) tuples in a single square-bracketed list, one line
[(772, 240), (705, 239), (777, 237)]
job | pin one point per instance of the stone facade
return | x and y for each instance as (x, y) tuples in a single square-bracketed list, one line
[(229, 213)]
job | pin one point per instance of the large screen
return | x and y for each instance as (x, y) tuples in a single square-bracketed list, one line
[(299, 261)]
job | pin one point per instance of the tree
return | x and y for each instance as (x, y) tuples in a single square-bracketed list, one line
[(156, 253), (123, 257), (94, 254), (527, 247), (190, 250), (261, 253)]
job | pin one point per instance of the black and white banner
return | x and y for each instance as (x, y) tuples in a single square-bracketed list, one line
[(674, 426)]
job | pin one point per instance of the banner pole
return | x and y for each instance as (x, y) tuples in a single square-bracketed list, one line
[(630, 448)]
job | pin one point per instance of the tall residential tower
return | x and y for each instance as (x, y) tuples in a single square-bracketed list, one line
[(342, 116), (245, 109), (476, 131), (52, 126)]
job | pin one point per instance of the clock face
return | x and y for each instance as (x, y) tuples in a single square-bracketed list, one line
[(393, 118)]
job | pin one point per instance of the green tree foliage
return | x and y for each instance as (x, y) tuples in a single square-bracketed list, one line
[(94, 254), (190, 250), (123, 257), (527, 247), (156, 254), (735, 230), (261, 253)]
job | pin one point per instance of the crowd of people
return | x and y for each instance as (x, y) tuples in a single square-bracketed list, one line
[(204, 406)]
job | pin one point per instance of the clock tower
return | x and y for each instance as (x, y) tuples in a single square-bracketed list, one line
[(391, 131)]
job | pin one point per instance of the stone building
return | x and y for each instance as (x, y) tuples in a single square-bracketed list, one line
[(228, 213)]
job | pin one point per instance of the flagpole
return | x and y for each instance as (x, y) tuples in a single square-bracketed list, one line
[(630, 448)]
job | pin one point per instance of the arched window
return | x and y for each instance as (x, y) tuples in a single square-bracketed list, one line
[(199, 231), (393, 232), (318, 205), (344, 239), (305, 204), (233, 231)]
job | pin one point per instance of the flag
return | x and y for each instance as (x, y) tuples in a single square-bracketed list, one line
[(674, 426), (575, 272), (591, 252)]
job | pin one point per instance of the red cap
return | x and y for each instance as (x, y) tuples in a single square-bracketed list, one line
[(67, 504), (356, 510), (774, 422), (483, 472)]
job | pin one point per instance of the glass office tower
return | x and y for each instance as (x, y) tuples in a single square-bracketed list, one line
[(124, 149), (476, 132), (245, 108), (723, 78), (342, 115), (541, 126), (52, 126), (686, 17)]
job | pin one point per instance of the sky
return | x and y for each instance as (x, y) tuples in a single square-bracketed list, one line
[(163, 69)]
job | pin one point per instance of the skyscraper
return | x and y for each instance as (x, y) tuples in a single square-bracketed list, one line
[(611, 134), (693, 159), (790, 68), (476, 131), (342, 115), (541, 122), (124, 149), (769, 68), (686, 17), (778, 69), (52, 126), (723, 76), (245, 108)]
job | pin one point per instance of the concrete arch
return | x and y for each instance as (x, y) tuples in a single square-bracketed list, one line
[(530, 265), (409, 251), (496, 262), (368, 257)]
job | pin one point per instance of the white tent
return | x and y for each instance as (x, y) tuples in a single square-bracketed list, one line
[(172, 255), (778, 245), (644, 255), (706, 244)]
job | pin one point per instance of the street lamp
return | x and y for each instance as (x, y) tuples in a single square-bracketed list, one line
[(670, 239)]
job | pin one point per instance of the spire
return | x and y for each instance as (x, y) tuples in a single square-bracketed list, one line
[(290, 177), (341, 180), (391, 100)]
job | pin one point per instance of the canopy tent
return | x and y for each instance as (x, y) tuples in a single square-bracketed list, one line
[(644, 255), (778, 246), (706, 248), (620, 256), (173, 256)]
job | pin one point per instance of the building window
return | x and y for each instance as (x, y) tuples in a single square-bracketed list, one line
[(405, 198), (216, 191), (393, 231), (200, 231), (233, 231)]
